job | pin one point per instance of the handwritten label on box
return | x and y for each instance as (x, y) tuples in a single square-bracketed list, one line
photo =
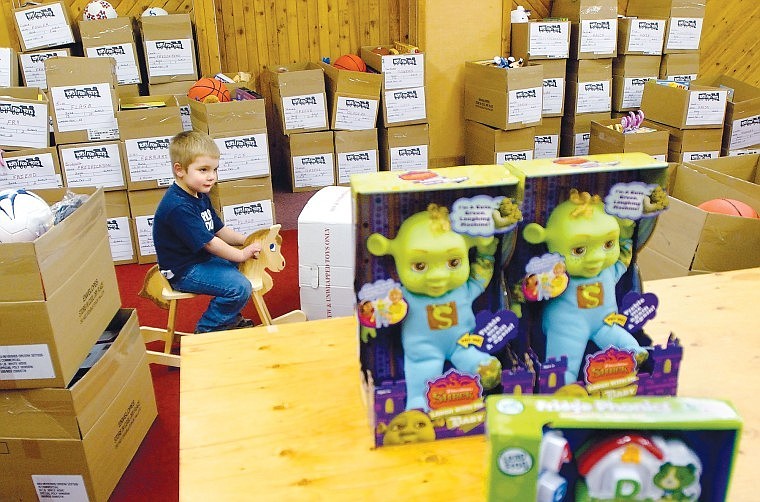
[(525, 105), (44, 26), (169, 57), (549, 40), (362, 161), (24, 124), (313, 170), (148, 158), (30, 171), (248, 217), (402, 105), (598, 36), (354, 114), (409, 158), (120, 238), (97, 165), (243, 156), (403, 70), (684, 33), (33, 67), (83, 107), (127, 71)]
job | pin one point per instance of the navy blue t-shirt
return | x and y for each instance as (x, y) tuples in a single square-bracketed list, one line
[(182, 226)]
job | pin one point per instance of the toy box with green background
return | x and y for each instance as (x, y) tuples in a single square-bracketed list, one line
[(573, 280), (433, 325), (555, 448)]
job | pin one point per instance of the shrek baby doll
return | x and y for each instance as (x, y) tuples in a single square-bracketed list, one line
[(597, 250), (439, 285)]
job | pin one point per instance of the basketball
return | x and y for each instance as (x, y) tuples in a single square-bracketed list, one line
[(730, 207), (206, 87), (350, 62)]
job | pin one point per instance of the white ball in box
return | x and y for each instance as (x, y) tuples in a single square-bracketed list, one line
[(326, 249)]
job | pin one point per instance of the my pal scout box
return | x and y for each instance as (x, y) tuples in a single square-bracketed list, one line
[(8, 67), (113, 38), (433, 327), (64, 294), (573, 280), (553, 448), (169, 48), (31, 169), (353, 98), (75, 443), (43, 25)]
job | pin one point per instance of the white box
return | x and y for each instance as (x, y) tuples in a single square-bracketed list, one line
[(326, 250)]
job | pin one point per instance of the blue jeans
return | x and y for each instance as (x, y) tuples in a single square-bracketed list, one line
[(221, 279)]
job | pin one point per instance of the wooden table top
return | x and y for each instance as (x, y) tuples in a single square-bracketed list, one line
[(276, 413)]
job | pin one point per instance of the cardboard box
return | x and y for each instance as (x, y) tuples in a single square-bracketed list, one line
[(32, 168), (146, 133), (33, 65), (179, 87), (593, 39), (44, 25), (355, 152), (681, 68), (742, 123), (546, 141), (503, 98), (690, 144), (399, 71), (299, 97), (24, 118), (629, 74), (403, 107), (387, 206), (142, 207), (664, 9), (741, 173), (589, 86), (169, 48), (64, 295), (229, 118), (541, 39), (353, 98), (576, 133), (544, 447), (326, 249), (640, 36), (245, 205), (311, 160), (404, 148), (576, 10), (8, 67), (688, 240), (487, 145), (693, 108), (553, 104), (113, 38), (73, 81), (87, 467), (71, 412), (93, 164), (606, 140), (120, 236)]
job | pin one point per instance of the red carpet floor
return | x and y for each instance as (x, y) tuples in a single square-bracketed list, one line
[(154, 472)]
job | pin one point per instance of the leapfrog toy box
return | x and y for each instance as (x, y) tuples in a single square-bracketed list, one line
[(573, 280), (433, 328), (555, 448)]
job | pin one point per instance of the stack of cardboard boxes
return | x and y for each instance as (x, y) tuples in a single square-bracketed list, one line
[(74, 380), (403, 130)]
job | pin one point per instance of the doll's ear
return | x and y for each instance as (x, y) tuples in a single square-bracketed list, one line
[(378, 245), (534, 233)]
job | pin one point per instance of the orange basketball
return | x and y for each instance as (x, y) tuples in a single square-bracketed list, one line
[(350, 62), (206, 87), (731, 207)]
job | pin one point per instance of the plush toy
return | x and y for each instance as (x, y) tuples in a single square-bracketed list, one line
[(597, 249), (439, 285), (509, 62), (519, 15)]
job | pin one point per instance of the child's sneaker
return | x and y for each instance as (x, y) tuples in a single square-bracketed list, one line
[(242, 322)]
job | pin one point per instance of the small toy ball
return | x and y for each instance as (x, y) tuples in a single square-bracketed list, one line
[(99, 9), (154, 11), (209, 90), (382, 51), (24, 215), (730, 207), (350, 62)]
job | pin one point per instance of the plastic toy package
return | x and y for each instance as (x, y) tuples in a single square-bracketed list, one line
[(433, 327), (517, 279), (556, 448), (573, 279)]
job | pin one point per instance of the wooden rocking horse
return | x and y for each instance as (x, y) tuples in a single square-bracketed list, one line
[(270, 258)]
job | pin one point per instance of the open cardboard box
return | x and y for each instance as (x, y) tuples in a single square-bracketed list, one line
[(688, 240)]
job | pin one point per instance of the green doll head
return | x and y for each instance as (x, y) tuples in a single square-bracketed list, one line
[(431, 259), (582, 232)]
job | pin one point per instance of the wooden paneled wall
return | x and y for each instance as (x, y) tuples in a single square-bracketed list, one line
[(253, 34)]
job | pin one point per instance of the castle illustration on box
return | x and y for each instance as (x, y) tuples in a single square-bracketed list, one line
[(514, 279)]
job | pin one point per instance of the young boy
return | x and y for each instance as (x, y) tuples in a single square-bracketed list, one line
[(195, 249)]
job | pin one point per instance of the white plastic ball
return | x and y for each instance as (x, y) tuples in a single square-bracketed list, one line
[(24, 215), (154, 11), (99, 9)]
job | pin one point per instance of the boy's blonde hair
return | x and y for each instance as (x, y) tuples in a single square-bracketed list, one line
[(186, 146)]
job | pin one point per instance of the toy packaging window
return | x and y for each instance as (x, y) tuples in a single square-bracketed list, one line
[(433, 328), (555, 448)]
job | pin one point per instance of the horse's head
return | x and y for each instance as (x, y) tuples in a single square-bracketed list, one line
[(271, 249)]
